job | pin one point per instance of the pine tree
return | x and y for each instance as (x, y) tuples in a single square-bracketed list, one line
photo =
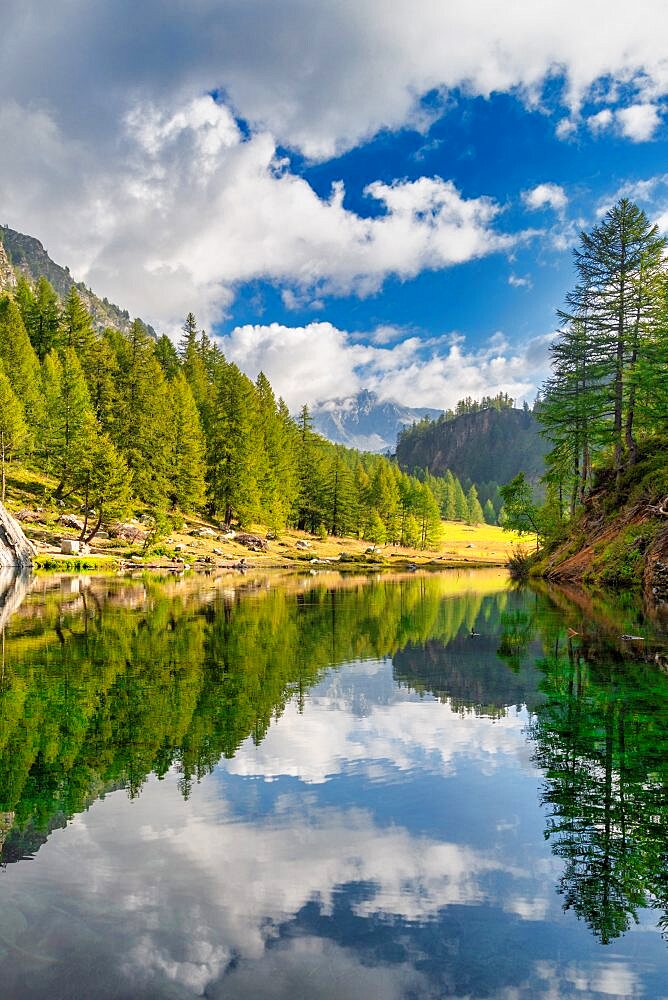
[(488, 512), (621, 264), (475, 514), (141, 424), (19, 360), (187, 449), (103, 479), (461, 504), (428, 516), (69, 427), (13, 429)]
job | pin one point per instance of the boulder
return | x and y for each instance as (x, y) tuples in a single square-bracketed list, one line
[(253, 542), (71, 521), (70, 546), (15, 549), (302, 544)]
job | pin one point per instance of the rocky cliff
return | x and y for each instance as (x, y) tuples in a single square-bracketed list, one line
[(7, 276), (25, 254), (489, 445)]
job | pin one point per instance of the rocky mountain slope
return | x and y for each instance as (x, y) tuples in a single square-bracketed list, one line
[(25, 254), (489, 445), (364, 421)]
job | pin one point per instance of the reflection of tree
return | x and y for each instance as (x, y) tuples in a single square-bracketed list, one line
[(109, 682), (602, 740), (466, 670)]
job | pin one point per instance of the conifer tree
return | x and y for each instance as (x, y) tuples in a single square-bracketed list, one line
[(103, 479), (13, 429), (475, 514), (19, 360), (69, 427), (461, 504), (488, 512), (141, 425), (187, 449), (428, 516)]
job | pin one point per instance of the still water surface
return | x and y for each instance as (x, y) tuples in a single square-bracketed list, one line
[(331, 788)]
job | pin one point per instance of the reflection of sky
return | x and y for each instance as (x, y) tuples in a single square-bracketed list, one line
[(394, 851)]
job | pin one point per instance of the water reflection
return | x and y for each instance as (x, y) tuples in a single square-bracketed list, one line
[(371, 819)]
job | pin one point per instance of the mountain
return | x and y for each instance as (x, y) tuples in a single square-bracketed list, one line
[(26, 255), (363, 421), (489, 445)]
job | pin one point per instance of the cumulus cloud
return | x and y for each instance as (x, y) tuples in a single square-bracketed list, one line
[(310, 363), (116, 157), (316, 86), (194, 207), (601, 121), (639, 122), (546, 195)]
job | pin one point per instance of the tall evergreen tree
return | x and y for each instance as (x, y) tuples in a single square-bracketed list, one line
[(13, 429)]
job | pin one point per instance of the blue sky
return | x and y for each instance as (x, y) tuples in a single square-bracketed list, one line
[(349, 194)]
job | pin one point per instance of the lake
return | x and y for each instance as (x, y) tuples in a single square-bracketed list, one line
[(333, 787)]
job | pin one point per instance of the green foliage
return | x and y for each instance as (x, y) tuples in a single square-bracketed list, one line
[(521, 513), (124, 420), (608, 392)]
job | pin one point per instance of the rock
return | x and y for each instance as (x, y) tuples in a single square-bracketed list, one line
[(271, 536), (180, 547), (128, 532), (15, 549), (102, 534), (30, 516), (70, 546), (207, 533), (71, 521), (218, 552), (302, 544), (227, 536), (470, 545), (373, 548), (253, 542)]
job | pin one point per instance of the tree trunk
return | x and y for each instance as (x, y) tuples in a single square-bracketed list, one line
[(4, 481)]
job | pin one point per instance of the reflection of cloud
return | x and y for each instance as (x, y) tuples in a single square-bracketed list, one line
[(314, 967), (192, 893), (410, 732), (610, 979)]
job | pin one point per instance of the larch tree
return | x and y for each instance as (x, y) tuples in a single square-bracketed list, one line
[(13, 428)]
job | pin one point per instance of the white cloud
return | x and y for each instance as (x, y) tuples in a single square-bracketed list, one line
[(152, 193), (639, 122), (192, 208), (319, 361), (601, 121), (519, 281), (545, 196)]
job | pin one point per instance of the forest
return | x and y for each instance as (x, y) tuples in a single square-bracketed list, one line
[(124, 421), (604, 410)]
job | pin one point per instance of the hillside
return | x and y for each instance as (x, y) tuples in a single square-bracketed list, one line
[(364, 421), (488, 445), (620, 539), (25, 254)]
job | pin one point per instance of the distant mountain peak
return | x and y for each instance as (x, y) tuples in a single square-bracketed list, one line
[(363, 420)]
